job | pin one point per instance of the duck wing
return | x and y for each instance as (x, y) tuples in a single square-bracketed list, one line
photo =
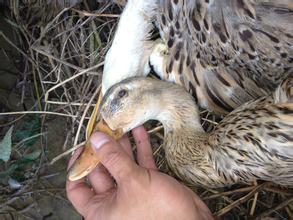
[(226, 52)]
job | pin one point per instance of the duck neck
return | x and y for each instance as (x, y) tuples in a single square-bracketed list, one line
[(181, 123), (130, 50)]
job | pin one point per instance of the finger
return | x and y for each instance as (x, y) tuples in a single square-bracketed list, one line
[(145, 156), (113, 157), (100, 180), (126, 145)]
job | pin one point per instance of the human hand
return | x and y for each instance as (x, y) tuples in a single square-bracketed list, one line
[(140, 192)]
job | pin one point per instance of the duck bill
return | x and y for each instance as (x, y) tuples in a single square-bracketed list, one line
[(87, 160)]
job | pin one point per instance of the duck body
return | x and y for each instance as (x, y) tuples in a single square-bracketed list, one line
[(247, 145), (224, 53), (253, 142)]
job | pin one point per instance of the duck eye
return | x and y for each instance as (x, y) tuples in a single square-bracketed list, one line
[(122, 93)]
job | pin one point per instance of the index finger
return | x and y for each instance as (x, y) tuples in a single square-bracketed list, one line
[(145, 156)]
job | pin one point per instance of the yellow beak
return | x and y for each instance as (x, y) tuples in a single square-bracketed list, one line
[(87, 161)]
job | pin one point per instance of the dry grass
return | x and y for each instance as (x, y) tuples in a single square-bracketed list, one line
[(64, 52)]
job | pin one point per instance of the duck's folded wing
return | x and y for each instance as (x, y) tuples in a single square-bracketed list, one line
[(227, 52)]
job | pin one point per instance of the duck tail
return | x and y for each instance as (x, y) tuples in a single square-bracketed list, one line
[(284, 92)]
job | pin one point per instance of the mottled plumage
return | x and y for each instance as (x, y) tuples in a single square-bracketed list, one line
[(224, 52), (253, 142)]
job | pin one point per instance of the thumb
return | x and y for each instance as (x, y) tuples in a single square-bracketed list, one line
[(112, 156)]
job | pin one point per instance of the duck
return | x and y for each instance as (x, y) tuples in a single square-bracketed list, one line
[(224, 53), (253, 142)]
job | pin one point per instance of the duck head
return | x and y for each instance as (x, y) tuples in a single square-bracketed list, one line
[(137, 100), (130, 103)]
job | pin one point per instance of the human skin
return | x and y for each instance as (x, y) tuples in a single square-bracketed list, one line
[(120, 188)]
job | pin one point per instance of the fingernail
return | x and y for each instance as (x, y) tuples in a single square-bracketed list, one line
[(98, 139)]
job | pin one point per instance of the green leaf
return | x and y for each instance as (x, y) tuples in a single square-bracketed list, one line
[(29, 157), (28, 128), (5, 146), (17, 165)]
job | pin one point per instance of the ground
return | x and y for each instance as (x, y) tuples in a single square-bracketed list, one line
[(44, 197)]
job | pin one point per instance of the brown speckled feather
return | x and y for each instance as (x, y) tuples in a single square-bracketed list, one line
[(257, 133), (227, 52)]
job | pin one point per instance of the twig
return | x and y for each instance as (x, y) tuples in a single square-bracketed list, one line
[(14, 46), (156, 129), (71, 78), (158, 149), (254, 201), (55, 58), (67, 152), (28, 138), (275, 208), (84, 114), (210, 121), (159, 136), (27, 208), (70, 103), (241, 190), (279, 191), (89, 14), (12, 122), (227, 199), (36, 112), (240, 201)]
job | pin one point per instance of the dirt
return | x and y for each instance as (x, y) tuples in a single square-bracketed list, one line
[(40, 201)]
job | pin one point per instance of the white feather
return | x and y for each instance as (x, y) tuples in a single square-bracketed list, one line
[(128, 54)]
